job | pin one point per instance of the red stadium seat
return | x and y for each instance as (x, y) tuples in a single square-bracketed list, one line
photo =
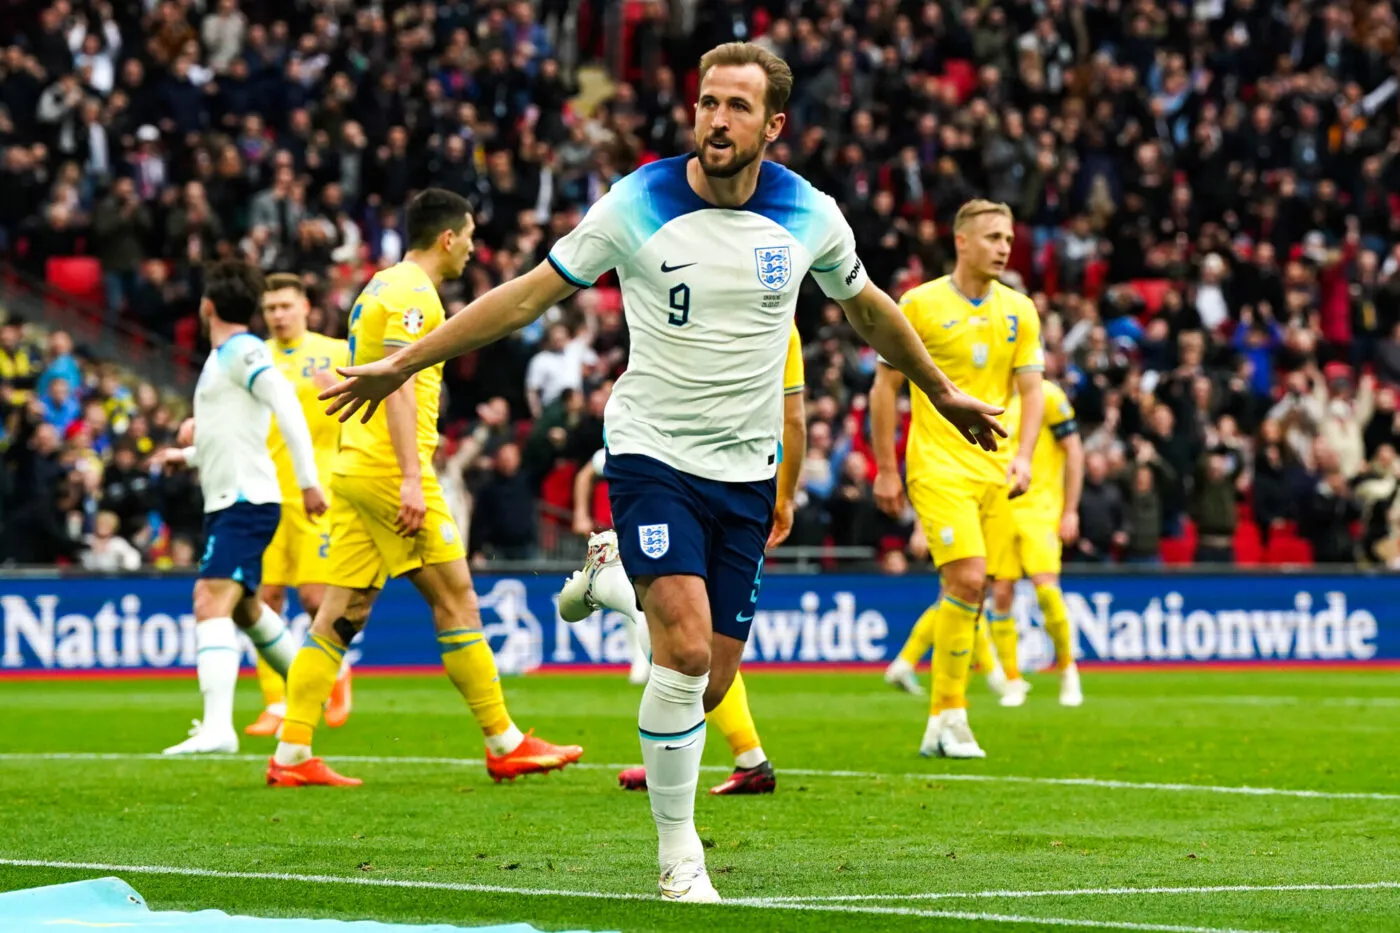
[(1152, 291), (1249, 549), (1286, 547), (1181, 549), (963, 75), (602, 506), (1095, 274), (79, 276)]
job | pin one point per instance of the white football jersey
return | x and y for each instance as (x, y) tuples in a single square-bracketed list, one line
[(709, 294), (231, 423)]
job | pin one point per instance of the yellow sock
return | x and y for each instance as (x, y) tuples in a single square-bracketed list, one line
[(1056, 613), (472, 669), (952, 653), (733, 718), (1003, 631), (921, 638), (982, 650), (309, 684), (274, 688)]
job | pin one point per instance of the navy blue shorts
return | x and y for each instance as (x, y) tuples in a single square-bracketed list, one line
[(669, 522), (234, 541)]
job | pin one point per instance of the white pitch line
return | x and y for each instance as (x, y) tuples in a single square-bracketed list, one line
[(1096, 892), (758, 902), (1006, 918), (797, 772)]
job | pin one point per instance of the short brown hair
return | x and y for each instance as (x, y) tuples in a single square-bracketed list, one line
[(235, 289), (280, 280), (746, 53), (976, 208)]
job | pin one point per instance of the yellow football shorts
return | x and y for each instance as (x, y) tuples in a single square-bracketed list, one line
[(1037, 549), (300, 551), (966, 519), (365, 548)]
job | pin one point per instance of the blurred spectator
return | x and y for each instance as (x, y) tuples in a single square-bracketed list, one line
[(1102, 518), (1328, 513), (558, 366), (1213, 509), (1143, 481), (107, 550), (503, 523)]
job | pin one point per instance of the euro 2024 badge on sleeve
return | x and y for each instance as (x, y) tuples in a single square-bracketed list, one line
[(774, 266)]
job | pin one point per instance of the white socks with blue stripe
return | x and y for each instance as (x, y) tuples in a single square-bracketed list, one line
[(672, 726), (216, 660), (270, 636)]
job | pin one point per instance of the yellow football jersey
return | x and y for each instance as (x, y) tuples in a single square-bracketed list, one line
[(397, 307), (981, 347), (794, 371), (300, 362), (1046, 497)]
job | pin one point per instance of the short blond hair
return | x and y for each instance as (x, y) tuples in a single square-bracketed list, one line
[(280, 280), (779, 75), (977, 208)]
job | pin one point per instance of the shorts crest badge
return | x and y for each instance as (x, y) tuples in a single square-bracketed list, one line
[(774, 266), (655, 540)]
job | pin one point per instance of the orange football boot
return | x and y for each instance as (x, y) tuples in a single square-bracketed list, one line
[(312, 771), (532, 756), (338, 706), (267, 723)]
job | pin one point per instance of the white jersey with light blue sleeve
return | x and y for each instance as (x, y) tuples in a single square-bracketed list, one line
[(709, 295), (238, 391)]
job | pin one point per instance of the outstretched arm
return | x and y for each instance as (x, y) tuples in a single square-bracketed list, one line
[(501, 311), (878, 320)]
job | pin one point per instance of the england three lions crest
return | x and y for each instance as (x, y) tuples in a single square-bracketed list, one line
[(655, 539), (774, 266)]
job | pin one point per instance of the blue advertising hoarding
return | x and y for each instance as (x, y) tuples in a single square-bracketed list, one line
[(91, 624)]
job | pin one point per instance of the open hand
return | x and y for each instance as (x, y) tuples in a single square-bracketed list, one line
[(974, 418), (371, 383)]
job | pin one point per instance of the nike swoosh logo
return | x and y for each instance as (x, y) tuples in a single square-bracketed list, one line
[(423, 288), (666, 268), (744, 618), (674, 748), (957, 654), (949, 325)]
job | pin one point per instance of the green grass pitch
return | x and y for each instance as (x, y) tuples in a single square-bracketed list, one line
[(861, 835)]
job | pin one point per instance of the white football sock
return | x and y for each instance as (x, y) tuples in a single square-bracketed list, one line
[(640, 637), (272, 639), (751, 758), (216, 661), (506, 742), (672, 726), (288, 755)]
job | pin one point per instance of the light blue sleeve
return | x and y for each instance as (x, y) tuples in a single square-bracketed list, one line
[(835, 265), (603, 240), (242, 358)]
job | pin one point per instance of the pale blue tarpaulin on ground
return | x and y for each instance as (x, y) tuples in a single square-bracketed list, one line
[(112, 904)]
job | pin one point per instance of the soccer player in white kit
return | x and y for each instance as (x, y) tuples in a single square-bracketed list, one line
[(238, 389), (710, 250)]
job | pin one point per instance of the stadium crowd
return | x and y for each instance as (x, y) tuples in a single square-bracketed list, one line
[(1204, 194)]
